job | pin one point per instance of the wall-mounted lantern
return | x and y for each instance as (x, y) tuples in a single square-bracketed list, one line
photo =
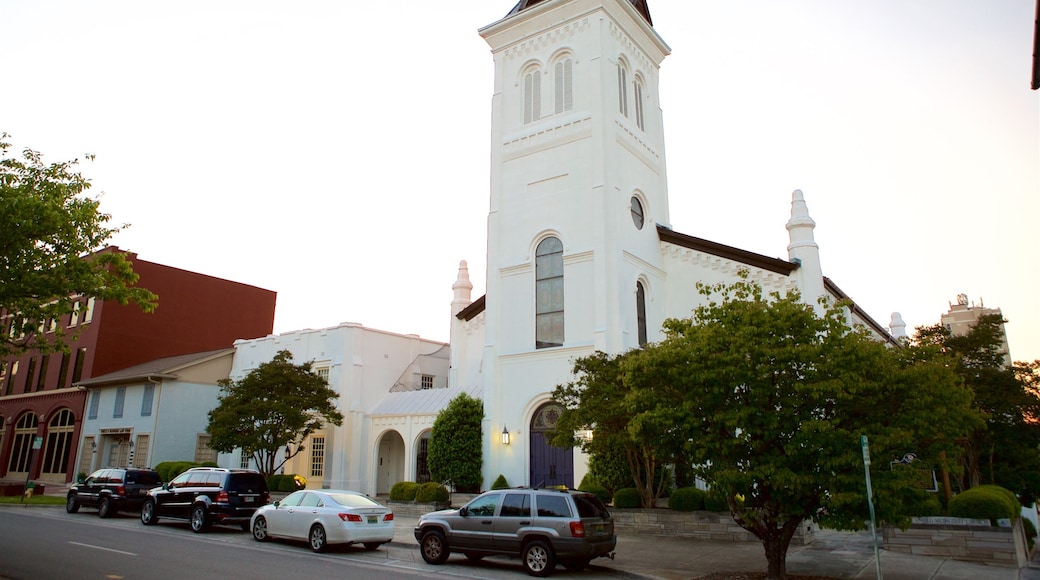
[(505, 435)]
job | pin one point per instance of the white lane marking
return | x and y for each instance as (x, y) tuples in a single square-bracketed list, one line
[(101, 548)]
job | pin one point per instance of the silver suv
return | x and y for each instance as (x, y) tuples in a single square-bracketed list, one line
[(542, 526)]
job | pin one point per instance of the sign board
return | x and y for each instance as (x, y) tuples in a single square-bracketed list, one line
[(37, 442)]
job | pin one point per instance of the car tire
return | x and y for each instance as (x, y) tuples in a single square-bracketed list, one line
[(433, 548), (71, 505), (105, 508), (372, 546), (198, 519), (317, 539), (538, 558), (260, 530), (148, 516)]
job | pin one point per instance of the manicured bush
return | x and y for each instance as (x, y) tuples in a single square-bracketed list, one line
[(1007, 494), (715, 502), (500, 482), (982, 503), (627, 497), (687, 499), (929, 506), (430, 492), (597, 490), (168, 470), (404, 491)]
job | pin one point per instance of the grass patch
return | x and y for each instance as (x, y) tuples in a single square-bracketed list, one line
[(34, 500)]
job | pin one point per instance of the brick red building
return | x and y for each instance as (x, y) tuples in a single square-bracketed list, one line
[(37, 400)]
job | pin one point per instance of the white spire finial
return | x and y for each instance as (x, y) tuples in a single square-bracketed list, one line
[(897, 327)]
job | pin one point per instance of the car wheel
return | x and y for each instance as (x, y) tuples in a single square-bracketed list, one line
[(575, 565), (260, 530), (70, 504), (317, 538), (148, 513), (105, 508), (372, 546), (433, 547), (474, 557), (538, 558), (198, 519)]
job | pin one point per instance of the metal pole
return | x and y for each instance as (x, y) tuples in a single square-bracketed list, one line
[(870, 503)]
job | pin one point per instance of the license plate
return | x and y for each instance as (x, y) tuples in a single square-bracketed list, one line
[(599, 528), (372, 519), (248, 499)]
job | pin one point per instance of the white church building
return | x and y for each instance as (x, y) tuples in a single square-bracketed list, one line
[(580, 255)]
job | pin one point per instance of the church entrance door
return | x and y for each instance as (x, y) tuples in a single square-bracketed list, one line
[(549, 465)]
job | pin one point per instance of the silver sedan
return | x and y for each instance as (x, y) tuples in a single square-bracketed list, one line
[(324, 517)]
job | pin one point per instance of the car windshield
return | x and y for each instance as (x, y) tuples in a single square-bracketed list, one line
[(353, 500), (589, 506)]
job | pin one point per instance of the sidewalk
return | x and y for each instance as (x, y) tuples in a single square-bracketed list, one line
[(843, 555)]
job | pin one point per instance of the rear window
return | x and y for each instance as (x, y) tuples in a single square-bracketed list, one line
[(589, 506), (144, 478), (352, 500), (249, 482)]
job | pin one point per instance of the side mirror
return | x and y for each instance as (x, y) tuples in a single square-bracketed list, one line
[(166, 487), (463, 512), (277, 503)]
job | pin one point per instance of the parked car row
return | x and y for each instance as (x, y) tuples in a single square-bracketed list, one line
[(542, 527)]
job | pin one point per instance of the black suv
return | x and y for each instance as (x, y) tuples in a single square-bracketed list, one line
[(205, 496), (542, 526), (112, 490)]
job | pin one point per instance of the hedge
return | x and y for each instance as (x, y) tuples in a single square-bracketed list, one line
[(687, 499), (404, 491), (627, 497), (985, 502), (597, 490), (500, 482), (430, 492)]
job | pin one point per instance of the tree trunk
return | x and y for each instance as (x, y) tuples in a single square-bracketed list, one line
[(776, 557)]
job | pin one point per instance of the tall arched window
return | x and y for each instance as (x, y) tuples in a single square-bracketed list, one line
[(637, 89), (59, 442), (641, 313), (549, 293), (622, 87), (21, 450), (563, 85), (532, 95)]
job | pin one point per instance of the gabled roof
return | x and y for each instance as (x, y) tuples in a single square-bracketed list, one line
[(639, 5), (162, 368), (723, 251)]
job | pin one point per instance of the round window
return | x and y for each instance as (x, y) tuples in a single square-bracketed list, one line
[(637, 213)]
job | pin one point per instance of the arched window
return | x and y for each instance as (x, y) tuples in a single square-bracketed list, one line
[(59, 442), (532, 95), (622, 87), (636, 209), (637, 89), (549, 293), (641, 313), (563, 85), (21, 450)]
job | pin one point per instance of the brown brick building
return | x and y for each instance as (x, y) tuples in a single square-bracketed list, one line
[(37, 400)]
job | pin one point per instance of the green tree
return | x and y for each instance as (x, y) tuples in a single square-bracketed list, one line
[(1003, 451), (455, 452), (51, 237), (275, 405)]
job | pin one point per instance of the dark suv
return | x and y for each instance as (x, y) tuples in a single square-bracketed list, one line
[(542, 526), (205, 496), (112, 490)]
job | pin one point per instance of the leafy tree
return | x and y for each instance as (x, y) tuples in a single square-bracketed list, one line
[(51, 235), (769, 400), (277, 404), (1004, 451), (455, 452)]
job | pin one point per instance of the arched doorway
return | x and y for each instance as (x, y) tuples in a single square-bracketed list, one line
[(58, 446), (422, 468), (21, 449), (390, 463), (549, 465)]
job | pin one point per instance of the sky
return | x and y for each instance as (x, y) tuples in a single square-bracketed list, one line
[(337, 152)]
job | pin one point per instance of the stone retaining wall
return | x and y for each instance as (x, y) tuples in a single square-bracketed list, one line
[(961, 539), (697, 525)]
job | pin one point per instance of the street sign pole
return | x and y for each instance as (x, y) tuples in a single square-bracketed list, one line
[(870, 503)]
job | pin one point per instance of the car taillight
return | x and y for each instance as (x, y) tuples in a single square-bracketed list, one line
[(350, 517), (222, 497), (121, 490), (577, 529), (389, 517)]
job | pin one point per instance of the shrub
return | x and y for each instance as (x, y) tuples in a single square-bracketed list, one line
[(597, 490), (500, 482), (404, 491), (715, 502), (281, 482), (587, 481), (627, 497), (687, 499), (929, 506), (1030, 530), (430, 492), (982, 503), (168, 470), (1007, 494)]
